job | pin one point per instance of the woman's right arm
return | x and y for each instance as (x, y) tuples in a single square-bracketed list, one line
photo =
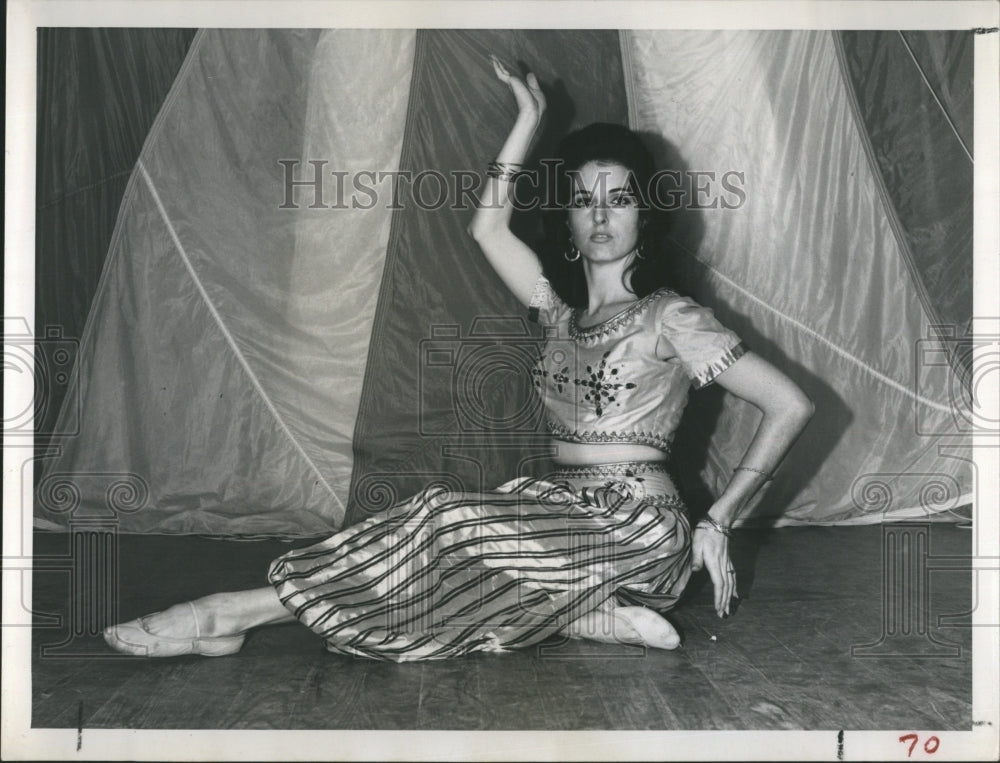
[(514, 261)]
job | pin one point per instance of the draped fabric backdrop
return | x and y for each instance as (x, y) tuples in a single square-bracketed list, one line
[(293, 329), (99, 91)]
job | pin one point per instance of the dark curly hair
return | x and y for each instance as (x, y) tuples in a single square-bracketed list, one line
[(608, 143)]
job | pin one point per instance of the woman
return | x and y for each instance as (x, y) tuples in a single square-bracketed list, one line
[(590, 551)]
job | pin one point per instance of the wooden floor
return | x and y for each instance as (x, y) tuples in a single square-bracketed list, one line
[(783, 661)]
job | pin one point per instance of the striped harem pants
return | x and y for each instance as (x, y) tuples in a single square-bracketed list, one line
[(447, 573)]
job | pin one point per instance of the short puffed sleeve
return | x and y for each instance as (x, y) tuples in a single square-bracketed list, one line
[(546, 307), (704, 347)]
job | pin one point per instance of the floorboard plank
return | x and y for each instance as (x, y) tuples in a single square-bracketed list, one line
[(783, 660)]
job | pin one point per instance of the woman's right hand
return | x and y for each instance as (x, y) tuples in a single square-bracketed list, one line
[(528, 94)]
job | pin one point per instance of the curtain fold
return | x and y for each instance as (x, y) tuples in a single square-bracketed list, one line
[(803, 261), (223, 360), (99, 91), (921, 142), (293, 328), (447, 395)]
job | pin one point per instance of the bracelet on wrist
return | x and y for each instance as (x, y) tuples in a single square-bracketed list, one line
[(767, 475), (507, 171), (708, 522)]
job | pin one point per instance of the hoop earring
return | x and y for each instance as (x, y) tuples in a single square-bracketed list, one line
[(639, 251), (573, 254)]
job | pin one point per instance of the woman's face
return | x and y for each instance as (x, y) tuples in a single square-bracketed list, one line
[(604, 212)]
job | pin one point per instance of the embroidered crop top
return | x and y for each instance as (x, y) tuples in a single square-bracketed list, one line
[(606, 384)]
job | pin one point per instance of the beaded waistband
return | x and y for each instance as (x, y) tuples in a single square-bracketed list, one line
[(621, 469), (646, 481)]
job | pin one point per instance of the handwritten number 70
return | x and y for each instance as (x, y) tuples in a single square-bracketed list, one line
[(930, 746)]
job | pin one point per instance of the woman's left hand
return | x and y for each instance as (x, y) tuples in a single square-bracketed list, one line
[(710, 549)]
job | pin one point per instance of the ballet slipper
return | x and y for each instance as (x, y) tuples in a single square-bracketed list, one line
[(625, 625), (135, 638), (653, 630)]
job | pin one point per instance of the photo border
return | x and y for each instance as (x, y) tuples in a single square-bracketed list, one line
[(19, 741)]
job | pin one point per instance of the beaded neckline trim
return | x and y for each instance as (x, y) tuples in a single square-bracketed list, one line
[(615, 321)]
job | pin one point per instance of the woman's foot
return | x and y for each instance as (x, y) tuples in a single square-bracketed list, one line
[(181, 629), (651, 629), (610, 624)]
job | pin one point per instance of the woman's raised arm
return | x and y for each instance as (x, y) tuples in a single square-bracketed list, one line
[(514, 261)]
